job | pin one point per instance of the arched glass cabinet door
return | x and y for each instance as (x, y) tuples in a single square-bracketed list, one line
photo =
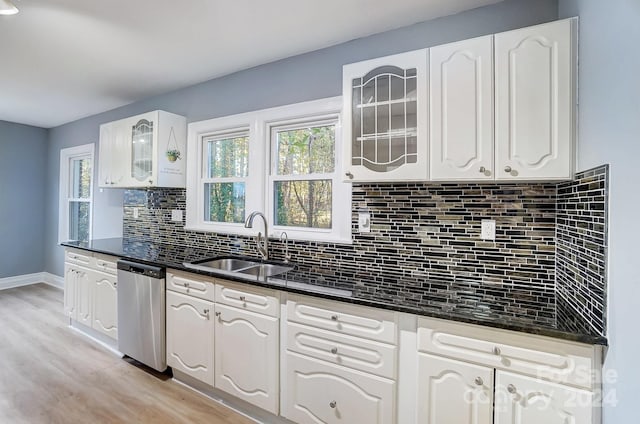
[(385, 121), (142, 150)]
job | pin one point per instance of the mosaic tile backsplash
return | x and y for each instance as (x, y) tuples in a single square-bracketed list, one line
[(424, 246)]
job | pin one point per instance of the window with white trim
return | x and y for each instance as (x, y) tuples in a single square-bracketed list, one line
[(282, 162), (76, 193)]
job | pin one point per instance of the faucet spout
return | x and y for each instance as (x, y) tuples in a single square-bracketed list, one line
[(262, 243)]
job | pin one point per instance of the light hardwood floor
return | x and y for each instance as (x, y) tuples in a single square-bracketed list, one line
[(51, 374)]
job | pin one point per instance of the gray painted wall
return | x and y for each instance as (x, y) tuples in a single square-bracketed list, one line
[(609, 132), (305, 77), (23, 151)]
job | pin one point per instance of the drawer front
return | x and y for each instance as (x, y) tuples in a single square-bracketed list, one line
[(554, 360), (106, 263), (359, 321), (78, 257), (320, 392), (341, 349), (190, 284), (254, 299)]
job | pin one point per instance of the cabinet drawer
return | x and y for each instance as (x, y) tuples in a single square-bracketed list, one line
[(542, 357), (190, 284), (341, 349), (255, 299), (360, 321), (320, 392), (106, 263), (77, 257)]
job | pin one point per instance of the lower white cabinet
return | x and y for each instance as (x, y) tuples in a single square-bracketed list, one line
[(105, 303), (190, 336), (526, 400), (320, 392), (70, 282), (247, 356), (84, 294), (451, 391)]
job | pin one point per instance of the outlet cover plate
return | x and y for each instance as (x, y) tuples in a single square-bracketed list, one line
[(488, 230)]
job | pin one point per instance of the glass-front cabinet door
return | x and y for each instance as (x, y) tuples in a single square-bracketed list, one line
[(385, 122), (142, 140)]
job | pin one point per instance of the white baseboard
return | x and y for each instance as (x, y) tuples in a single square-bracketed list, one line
[(28, 279)]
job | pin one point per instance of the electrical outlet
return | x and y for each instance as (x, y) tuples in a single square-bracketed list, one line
[(364, 222), (488, 229), (136, 213), (176, 215)]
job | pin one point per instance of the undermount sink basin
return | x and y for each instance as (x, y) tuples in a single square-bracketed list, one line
[(239, 267)]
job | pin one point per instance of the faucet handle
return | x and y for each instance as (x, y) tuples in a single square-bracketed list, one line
[(284, 236)]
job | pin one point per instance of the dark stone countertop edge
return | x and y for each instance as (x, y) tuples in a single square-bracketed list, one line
[(433, 313)]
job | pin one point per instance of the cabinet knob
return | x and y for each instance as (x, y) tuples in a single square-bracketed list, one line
[(243, 299), (349, 174), (334, 350), (507, 169), (479, 381), (333, 404), (496, 350), (218, 314), (206, 313), (512, 389), (150, 181), (115, 284), (482, 169), (334, 317)]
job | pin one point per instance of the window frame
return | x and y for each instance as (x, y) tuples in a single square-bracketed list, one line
[(259, 184), (67, 155)]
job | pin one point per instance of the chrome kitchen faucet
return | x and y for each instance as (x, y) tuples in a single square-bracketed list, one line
[(262, 243)]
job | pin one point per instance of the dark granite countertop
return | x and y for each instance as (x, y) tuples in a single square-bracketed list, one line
[(298, 281)]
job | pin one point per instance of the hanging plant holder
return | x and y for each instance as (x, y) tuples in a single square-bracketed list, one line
[(173, 152)]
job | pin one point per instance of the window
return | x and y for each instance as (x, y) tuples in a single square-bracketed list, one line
[(76, 189), (281, 161)]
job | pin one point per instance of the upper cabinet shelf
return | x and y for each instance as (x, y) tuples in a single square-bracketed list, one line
[(494, 108), (385, 118), (146, 150)]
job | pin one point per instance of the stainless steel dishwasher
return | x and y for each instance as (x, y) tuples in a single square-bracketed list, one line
[(141, 313)]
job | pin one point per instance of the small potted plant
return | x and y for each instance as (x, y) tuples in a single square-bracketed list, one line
[(173, 155)]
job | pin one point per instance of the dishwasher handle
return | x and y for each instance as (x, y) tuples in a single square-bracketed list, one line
[(141, 269)]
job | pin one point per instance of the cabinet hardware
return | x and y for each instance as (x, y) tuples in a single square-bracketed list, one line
[(334, 350), (482, 169), (243, 299), (496, 350), (218, 314), (334, 317), (479, 381), (206, 313), (349, 174), (333, 404), (507, 169), (512, 389)]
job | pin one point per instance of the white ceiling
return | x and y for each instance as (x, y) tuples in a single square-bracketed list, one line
[(61, 60)]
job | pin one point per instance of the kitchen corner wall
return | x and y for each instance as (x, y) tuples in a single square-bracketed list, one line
[(424, 246)]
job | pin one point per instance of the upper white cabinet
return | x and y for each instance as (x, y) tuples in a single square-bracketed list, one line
[(535, 101), (385, 118), (146, 150), (461, 123)]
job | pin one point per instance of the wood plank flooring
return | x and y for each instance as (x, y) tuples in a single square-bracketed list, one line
[(51, 374)]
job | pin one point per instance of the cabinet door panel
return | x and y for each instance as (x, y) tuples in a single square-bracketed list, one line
[(451, 391), (254, 299), (84, 297), (247, 348), (191, 284), (105, 304), (535, 102), (318, 392), (190, 336), (526, 400), (70, 282), (461, 76)]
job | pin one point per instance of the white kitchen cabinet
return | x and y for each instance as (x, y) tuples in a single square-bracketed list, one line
[(319, 392), (105, 304), (247, 356), (385, 118), (190, 336), (461, 110), (451, 391), (526, 400), (146, 150), (90, 291), (535, 71)]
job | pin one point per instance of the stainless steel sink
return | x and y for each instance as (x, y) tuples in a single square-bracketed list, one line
[(239, 267), (265, 270)]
